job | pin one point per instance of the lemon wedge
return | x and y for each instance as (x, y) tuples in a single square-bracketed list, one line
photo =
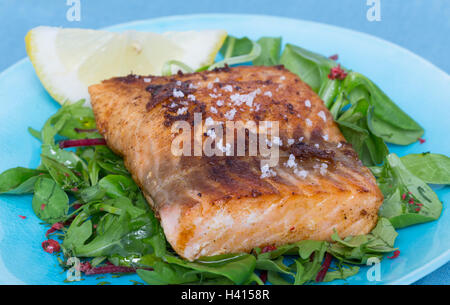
[(67, 61)]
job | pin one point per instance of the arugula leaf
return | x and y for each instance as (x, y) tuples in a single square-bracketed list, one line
[(78, 233), (341, 274), (50, 203), (19, 180), (276, 265), (431, 168), (167, 274), (61, 174), (311, 266), (270, 51), (276, 278), (358, 249), (236, 267)]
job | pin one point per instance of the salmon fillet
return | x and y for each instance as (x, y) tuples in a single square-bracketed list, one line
[(225, 204)]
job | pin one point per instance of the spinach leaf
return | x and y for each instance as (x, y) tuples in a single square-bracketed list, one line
[(431, 168), (311, 67), (109, 161), (408, 200), (270, 51), (236, 47), (50, 203), (121, 235), (65, 157), (92, 193), (388, 121), (354, 135), (118, 186), (19, 180)]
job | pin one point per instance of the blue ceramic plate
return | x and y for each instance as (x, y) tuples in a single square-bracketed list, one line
[(417, 86)]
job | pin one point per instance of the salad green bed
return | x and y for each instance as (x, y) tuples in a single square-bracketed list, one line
[(100, 215)]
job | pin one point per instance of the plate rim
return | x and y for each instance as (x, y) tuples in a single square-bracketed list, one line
[(408, 278)]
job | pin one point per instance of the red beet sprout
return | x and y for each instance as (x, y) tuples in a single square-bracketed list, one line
[(82, 142), (108, 269), (263, 276), (80, 130), (396, 254), (51, 246), (337, 73), (55, 227), (268, 249), (334, 57), (324, 269)]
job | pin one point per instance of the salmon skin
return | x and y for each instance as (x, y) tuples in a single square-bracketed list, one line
[(229, 204)]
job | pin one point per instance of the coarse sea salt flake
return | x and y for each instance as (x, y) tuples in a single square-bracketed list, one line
[(228, 88), (266, 172), (322, 115), (177, 93), (291, 162), (182, 110), (230, 114), (277, 141)]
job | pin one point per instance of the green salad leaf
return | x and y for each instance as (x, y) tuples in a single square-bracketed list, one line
[(431, 168), (50, 203), (408, 200), (270, 51), (358, 249), (19, 180)]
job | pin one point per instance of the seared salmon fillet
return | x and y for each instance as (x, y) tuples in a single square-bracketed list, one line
[(228, 204)]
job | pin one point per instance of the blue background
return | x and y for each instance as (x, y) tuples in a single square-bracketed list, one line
[(422, 26)]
